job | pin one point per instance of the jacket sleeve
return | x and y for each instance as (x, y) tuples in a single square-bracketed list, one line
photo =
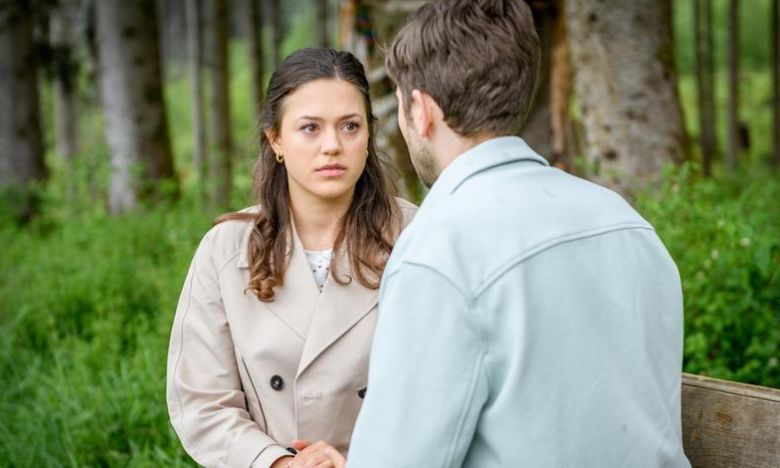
[(426, 381), (206, 402)]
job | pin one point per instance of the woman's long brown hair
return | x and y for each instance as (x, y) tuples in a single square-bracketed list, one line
[(368, 229)]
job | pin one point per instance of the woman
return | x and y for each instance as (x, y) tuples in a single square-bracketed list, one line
[(270, 342)]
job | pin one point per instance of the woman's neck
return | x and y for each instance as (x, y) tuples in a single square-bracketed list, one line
[(317, 220)]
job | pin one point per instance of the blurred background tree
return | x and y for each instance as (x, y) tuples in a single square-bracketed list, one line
[(126, 127)]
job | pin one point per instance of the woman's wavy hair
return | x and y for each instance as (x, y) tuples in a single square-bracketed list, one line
[(369, 227)]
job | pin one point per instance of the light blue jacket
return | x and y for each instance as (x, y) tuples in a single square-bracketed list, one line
[(527, 318)]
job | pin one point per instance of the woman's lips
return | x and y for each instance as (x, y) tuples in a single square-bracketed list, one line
[(332, 170)]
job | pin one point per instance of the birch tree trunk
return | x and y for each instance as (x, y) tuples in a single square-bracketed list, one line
[(626, 85), (133, 106), (221, 146), (21, 139)]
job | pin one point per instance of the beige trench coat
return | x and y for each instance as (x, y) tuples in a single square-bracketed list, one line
[(247, 377)]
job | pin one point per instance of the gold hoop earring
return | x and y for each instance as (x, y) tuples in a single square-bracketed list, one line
[(279, 158)]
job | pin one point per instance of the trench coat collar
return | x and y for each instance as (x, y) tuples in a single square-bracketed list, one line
[(340, 307), (319, 318)]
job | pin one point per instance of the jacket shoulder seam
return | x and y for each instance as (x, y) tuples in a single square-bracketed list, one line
[(550, 244)]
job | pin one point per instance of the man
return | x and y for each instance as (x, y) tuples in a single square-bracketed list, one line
[(527, 317)]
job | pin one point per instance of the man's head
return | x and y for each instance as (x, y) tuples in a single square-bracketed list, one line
[(468, 65)]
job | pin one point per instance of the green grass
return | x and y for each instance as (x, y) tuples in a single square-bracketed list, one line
[(87, 309)]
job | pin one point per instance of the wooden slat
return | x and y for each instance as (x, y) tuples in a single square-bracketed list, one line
[(728, 424)]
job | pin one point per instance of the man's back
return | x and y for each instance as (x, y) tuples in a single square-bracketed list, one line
[(527, 318)]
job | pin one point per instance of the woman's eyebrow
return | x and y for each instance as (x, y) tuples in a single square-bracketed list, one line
[(320, 119)]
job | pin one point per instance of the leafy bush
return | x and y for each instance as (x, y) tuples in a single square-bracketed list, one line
[(725, 237)]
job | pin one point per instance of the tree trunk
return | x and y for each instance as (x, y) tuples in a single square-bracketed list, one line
[(547, 125), (775, 38), (537, 131), (254, 34), (173, 37), (560, 94), (732, 157), (133, 105), (21, 139), (626, 85), (199, 159), (703, 53), (62, 37), (276, 32), (221, 149), (322, 22), (710, 135)]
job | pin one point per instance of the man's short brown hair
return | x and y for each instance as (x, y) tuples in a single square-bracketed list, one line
[(478, 59)]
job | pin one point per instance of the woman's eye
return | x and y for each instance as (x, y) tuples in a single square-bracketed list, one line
[(309, 128), (351, 126)]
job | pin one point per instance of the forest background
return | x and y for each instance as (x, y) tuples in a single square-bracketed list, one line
[(125, 129)]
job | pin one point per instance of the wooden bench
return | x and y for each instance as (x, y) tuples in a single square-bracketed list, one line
[(729, 424)]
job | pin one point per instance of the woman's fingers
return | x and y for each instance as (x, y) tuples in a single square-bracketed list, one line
[(313, 455), (300, 444), (318, 461), (336, 458)]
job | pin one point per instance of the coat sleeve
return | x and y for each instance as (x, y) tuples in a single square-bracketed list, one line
[(426, 383), (206, 402)]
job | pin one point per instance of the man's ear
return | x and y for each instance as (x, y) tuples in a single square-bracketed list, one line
[(423, 112)]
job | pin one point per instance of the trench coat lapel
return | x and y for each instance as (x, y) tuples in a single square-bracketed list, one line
[(339, 309), (295, 302)]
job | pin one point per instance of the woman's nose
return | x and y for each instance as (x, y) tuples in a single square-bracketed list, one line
[(331, 143)]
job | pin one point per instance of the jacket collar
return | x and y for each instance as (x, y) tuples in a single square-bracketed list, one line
[(340, 307), (484, 156), (320, 319)]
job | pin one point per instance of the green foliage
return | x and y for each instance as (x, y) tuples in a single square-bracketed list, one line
[(756, 97), (723, 234), (754, 39), (87, 305)]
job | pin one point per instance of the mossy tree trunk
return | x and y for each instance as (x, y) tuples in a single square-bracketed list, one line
[(626, 86)]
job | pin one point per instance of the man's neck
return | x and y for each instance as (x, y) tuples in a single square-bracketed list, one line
[(451, 145)]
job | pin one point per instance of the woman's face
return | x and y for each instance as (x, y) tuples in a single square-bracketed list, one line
[(323, 136)]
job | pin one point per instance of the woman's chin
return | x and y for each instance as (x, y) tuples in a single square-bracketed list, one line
[(333, 191)]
